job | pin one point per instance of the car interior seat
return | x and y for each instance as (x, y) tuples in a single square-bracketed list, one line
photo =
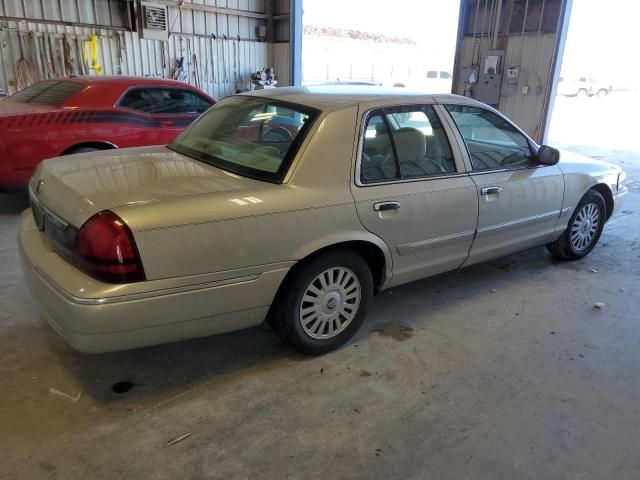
[(378, 163), (411, 145)]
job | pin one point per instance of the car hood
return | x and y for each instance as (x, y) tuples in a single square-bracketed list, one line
[(78, 186), (572, 161)]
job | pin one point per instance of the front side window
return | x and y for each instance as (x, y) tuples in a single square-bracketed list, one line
[(251, 136), (492, 142), (405, 143), (158, 100)]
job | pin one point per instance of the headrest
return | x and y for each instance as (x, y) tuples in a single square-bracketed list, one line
[(411, 144)]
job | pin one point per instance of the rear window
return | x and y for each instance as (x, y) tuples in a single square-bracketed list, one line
[(48, 93), (251, 136)]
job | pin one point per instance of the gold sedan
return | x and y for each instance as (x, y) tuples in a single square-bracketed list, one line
[(295, 205)]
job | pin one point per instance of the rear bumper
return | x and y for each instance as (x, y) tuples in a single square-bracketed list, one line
[(118, 322)]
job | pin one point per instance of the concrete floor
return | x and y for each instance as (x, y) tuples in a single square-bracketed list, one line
[(502, 371)]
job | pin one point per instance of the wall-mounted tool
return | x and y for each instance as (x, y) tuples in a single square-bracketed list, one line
[(215, 66), (196, 73), (236, 62), (91, 54), (69, 56), (177, 71), (225, 62), (24, 74)]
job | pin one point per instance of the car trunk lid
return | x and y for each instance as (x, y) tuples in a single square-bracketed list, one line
[(76, 187)]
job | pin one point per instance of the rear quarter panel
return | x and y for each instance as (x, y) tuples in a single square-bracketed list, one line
[(30, 139), (278, 223)]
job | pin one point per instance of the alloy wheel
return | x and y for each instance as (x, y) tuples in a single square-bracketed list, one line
[(330, 303), (585, 226)]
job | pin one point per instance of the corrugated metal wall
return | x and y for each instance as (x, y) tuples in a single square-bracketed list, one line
[(221, 66), (532, 54)]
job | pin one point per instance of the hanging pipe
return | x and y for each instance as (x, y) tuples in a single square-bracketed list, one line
[(496, 29)]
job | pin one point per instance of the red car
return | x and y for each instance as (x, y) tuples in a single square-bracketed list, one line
[(81, 114)]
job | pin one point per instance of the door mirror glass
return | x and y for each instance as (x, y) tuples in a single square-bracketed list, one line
[(547, 156)]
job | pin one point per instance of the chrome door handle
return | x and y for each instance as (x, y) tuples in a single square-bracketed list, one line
[(383, 206), (490, 190)]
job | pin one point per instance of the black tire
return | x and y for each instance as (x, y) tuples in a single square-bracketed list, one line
[(603, 92), (563, 247), (73, 151), (286, 317)]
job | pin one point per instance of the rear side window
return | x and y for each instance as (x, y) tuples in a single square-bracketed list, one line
[(157, 100), (378, 161), (405, 143), (48, 92)]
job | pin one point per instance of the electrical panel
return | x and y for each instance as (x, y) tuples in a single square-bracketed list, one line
[(513, 74), (490, 78)]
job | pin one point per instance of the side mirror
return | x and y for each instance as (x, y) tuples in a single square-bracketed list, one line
[(547, 156)]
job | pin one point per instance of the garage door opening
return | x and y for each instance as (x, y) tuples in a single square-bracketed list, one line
[(409, 43), (597, 94)]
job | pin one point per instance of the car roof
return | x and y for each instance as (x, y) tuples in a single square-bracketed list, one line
[(103, 91), (332, 97), (122, 80)]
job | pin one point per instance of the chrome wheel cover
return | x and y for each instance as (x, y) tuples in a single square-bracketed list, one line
[(330, 303), (584, 227)]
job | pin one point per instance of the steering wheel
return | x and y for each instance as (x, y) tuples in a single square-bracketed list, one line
[(513, 159), (277, 134)]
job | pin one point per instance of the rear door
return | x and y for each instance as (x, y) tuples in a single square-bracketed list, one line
[(519, 204), (169, 110), (411, 190)]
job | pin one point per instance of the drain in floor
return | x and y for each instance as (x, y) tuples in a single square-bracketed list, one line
[(121, 387)]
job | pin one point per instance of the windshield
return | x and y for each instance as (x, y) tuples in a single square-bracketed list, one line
[(253, 136)]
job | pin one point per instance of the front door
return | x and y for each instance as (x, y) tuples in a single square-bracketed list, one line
[(519, 204), (411, 191)]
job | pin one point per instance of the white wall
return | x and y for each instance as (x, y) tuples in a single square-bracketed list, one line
[(223, 65)]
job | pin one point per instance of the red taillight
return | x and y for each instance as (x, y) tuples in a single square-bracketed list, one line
[(106, 250)]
